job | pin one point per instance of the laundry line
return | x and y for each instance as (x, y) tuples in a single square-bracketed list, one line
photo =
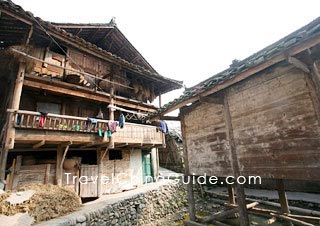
[(68, 69)]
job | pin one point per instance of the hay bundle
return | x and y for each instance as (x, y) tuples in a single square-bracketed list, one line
[(49, 201)]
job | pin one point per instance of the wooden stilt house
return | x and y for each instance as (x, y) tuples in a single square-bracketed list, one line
[(259, 117), (64, 88)]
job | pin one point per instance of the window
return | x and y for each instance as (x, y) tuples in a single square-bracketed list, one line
[(49, 107), (115, 154)]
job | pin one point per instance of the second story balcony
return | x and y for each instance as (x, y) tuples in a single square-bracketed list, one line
[(34, 127)]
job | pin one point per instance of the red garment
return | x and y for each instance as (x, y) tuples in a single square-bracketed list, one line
[(42, 120), (112, 126)]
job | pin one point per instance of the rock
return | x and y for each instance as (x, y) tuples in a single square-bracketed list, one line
[(81, 219)]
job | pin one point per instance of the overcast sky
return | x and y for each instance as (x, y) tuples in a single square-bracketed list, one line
[(187, 40)]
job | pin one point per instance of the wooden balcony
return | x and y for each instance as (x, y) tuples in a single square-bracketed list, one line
[(58, 129)]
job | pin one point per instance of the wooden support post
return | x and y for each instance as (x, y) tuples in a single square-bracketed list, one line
[(232, 199), (111, 110), (99, 162), (16, 173), (9, 142), (58, 163), (191, 202), (39, 144), (160, 101), (283, 199), (47, 175), (241, 200)]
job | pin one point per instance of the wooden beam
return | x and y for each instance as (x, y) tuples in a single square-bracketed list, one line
[(104, 154), (211, 100), (58, 163), (91, 37), (78, 32), (39, 144), (14, 15), (121, 48), (83, 26), (111, 110), (283, 199), (170, 118), (99, 162), (241, 199), (29, 36), (298, 64), (10, 133), (92, 96), (105, 36), (295, 221), (47, 174), (191, 201), (232, 199), (225, 213)]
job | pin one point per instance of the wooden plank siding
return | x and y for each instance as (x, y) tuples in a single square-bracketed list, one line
[(276, 129)]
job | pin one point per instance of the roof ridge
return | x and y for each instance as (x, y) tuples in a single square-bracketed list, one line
[(18, 9)]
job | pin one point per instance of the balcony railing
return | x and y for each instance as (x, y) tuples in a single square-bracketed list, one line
[(131, 133)]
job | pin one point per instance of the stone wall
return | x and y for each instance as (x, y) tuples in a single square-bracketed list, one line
[(143, 208)]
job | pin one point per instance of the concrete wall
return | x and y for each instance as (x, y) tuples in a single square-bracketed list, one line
[(136, 166)]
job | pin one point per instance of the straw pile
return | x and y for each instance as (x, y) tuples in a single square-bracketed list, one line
[(49, 201)]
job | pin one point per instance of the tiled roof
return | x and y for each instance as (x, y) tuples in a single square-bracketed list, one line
[(10, 6), (238, 67)]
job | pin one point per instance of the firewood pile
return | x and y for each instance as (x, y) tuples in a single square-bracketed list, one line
[(47, 202)]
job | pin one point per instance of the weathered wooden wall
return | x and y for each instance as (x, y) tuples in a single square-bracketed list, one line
[(275, 128)]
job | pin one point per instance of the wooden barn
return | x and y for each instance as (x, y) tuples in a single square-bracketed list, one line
[(74, 100), (259, 117)]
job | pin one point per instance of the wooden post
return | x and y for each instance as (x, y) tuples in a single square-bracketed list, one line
[(58, 163), (111, 110), (99, 161), (10, 135), (191, 202), (283, 199), (232, 199), (241, 200), (160, 101)]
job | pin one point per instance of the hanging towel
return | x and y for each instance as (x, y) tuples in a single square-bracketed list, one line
[(164, 127), (18, 119), (42, 119), (122, 120), (100, 132), (109, 134), (112, 125)]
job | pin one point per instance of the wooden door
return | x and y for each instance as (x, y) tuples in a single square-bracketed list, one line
[(88, 173), (146, 167)]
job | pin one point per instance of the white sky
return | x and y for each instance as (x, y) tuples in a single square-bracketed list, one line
[(187, 40)]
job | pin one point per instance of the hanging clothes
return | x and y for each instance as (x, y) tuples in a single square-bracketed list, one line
[(164, 127), (122, 120), (42, 119), (19, 119), (109, 134), (112, 125)]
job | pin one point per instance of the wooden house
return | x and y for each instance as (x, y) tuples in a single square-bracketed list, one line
[(63, 87), (259, 117)]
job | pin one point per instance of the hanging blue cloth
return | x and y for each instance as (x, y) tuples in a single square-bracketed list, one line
[(122, 120), (164, 127)]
